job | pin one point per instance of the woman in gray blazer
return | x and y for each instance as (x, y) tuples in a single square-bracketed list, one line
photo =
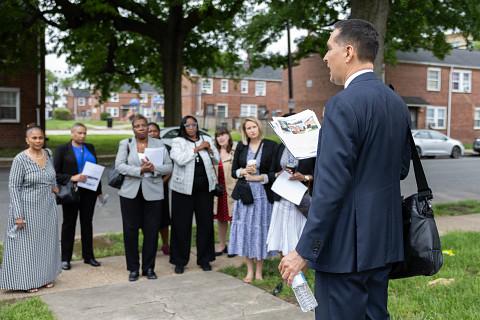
[(192, 182), (141, 197)]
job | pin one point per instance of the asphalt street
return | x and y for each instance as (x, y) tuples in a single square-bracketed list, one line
[(450, 180)]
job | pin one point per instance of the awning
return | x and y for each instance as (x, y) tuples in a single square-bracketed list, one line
[(415, 101)]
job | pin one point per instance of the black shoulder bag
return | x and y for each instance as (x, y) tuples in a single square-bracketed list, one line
[(421, 242), (115, 178), (242, 190), (68, 192), (219, 189)]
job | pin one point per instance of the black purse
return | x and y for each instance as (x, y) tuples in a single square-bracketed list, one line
[(304, 204), (422, 247), (115, 178), (242, 190), (68, 193)]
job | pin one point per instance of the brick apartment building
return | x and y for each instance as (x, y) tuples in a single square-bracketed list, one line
[(441, 95), (22, 97), (120, 105), (220, 99)]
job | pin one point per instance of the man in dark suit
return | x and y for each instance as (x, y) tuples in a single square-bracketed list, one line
[(354, 228)]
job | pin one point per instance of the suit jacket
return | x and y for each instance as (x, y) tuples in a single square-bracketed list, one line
[(128, 164), (355, 219), (240, 161), (66, 164), (184, 164), (305, 166)]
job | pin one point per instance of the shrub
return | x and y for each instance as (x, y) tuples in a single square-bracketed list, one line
[(104, 116), (62, 114)]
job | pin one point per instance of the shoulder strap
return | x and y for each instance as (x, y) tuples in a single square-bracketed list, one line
[(424, 190), (258, 150)]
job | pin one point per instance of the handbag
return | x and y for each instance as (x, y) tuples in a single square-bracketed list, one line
[(304, 204), (421, 241), (115, 178), (68, 193), (219, 189), (242, 190)]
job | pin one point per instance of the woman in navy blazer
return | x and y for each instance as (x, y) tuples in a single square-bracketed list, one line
[(69, 160)]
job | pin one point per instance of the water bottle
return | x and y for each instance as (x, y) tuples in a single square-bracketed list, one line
[(12, 233), (304, 295)]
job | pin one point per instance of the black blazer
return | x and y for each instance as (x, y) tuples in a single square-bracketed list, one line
[(240, 161), (305, 166), (66, 164)]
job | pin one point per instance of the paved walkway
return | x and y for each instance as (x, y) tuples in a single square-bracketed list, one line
[(85, 292)]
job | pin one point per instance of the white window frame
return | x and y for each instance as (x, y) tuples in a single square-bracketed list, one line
[(17, 105), (436, 118), (438, 87), (226, 108), (258, 90), (244, 86), (90, 102), (249, 108), (82, 102), (224, 85), (309, 83), (207, 85), (114, 97), (143, 97), (115, 112), (461, 82), (476, 118)]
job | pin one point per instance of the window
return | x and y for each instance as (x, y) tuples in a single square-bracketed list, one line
[(143, 97), (436, 117), (422, 135), (113, 112), (309, 83), (248, 110), (462, 81), (224, 85), (207, 86), (437, 135), (244, 86), (114, 97), (9, 104), (210, 110), (434, 79), (260, 88), (222, 111), (476, 119), (90, 102), (81, 102)]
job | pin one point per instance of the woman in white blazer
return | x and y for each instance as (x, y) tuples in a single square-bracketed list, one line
[(141, 197), (192, 182)]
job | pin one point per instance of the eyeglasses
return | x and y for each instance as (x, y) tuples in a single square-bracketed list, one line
[(193, 125)]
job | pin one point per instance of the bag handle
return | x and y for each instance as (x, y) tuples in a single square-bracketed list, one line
[(423, 189)]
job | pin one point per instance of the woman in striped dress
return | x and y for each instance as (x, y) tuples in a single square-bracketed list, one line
[(31, 258)]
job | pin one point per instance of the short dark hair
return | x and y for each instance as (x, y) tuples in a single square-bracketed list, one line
[(362, 35), (154, 124), (182, 132), (219, 132)]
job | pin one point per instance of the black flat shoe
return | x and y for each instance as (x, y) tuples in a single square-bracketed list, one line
[(206, 267), (92, 262), (219, 253), (133, 276), (66, 265), (231, 255), (179, 269), (150, 274)]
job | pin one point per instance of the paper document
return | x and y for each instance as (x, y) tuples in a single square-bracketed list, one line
[(292, 190), (94, 175), (155, 155), (299, 133)]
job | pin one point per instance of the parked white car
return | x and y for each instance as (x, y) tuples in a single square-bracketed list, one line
[(168, 133), (434, 143)]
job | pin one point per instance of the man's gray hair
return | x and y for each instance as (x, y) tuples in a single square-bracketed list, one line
[(78, 125)]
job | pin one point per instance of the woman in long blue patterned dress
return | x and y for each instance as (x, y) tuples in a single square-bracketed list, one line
[(249, 228), (31, 257)]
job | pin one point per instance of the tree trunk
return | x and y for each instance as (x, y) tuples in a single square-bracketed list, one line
[(376, 12)]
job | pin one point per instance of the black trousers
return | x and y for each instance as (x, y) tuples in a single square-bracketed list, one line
[(139, 213), (85, 207), (183, 207), (352, 296)]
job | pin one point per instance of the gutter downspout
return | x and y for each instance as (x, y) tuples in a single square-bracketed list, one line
[(449, 105)]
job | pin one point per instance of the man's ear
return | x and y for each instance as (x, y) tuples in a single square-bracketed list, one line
[(349, 53)]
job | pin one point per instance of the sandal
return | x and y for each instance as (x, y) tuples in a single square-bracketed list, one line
[(49, 285), (33, 290), (248, 280)]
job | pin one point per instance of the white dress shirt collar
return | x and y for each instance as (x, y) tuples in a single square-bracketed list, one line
[(356, 74)]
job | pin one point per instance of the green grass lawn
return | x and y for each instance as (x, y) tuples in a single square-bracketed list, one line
[(456, 208), (27, 309), (67, 124), (414, 298)]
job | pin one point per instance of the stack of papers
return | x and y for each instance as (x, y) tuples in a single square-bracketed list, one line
[(299, 133), (292, 190)]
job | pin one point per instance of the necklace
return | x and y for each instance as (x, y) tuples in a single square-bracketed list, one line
[(34, 156)]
